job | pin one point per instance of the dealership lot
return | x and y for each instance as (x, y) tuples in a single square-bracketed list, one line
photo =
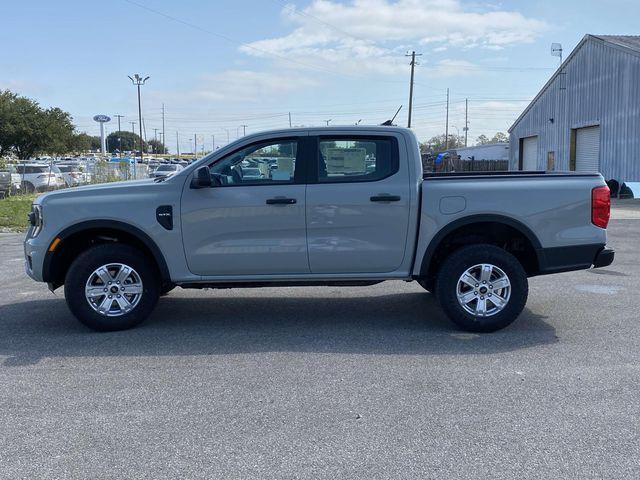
[(369, 382)]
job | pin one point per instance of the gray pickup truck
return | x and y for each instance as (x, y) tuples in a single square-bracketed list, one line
[(346, 206)]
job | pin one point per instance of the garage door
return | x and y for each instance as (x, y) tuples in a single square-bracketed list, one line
[(530, 153), (588, 149)]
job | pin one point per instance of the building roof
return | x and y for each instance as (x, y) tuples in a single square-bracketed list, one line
[(630, 43)]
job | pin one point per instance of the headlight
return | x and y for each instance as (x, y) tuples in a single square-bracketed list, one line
[(35, 219)]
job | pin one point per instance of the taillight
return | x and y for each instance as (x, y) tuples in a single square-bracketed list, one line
[(600, 206)]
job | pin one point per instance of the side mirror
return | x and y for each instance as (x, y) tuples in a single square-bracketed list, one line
[(202, 178)]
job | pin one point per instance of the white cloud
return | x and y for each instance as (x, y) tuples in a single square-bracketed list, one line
[(249, 85), (354, 37), (453, 68)]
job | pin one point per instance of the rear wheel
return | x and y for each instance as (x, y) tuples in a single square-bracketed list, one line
[(482, 288), (111, 287)]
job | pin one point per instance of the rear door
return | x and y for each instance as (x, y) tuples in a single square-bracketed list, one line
[(358, 201)]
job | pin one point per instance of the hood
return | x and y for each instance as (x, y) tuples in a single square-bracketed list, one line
[(99, 189)]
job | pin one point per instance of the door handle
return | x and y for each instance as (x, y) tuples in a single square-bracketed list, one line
[(281, 201), (385, 198)]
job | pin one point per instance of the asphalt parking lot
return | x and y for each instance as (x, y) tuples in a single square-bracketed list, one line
[(369, 382)]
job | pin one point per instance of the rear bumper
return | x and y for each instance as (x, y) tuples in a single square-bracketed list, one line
[(577, 257), (604, 257)]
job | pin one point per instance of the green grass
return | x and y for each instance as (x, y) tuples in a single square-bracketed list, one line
[(13, 212)]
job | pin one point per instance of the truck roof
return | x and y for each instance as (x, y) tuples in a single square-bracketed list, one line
[(336, 128)]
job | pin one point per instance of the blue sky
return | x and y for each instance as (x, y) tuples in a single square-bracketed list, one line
[(220, 64)]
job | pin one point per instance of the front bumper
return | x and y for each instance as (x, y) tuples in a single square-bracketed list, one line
[(34, 253)]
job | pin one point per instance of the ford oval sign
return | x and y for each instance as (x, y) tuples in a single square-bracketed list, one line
[(102, 118)]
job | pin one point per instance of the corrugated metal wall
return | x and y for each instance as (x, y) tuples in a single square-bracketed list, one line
[(600, 85)]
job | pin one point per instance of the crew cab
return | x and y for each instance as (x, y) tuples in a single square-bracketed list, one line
[(346, 206)]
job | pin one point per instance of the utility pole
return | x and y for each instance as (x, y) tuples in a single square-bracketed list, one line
[(289, 119), (119, 136), (195, 146), (213, 143), (137, 80), (164, 139), (244, 130), (177, 144), (413, 65), (133, 128), (466, 120), (155, 134), (446, 130)]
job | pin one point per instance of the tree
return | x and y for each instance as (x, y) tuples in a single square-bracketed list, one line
[(21, 125), (482, 140), (83, 142), (26, 129), (157, 147), (499, 137), (439, 144), (130, 141), (59, 134)]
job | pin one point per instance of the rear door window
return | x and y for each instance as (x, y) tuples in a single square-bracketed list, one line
[(356, 159)]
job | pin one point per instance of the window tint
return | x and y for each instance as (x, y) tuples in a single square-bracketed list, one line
[(32, 169), (263, 163), (356, 159)]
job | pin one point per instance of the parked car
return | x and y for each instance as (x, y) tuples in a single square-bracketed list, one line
[(72, 174), (322, 218), (5, 183), (251, 174), (165, 170), (39, 177)]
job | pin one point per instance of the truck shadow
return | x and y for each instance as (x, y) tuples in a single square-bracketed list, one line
[(400, 324)]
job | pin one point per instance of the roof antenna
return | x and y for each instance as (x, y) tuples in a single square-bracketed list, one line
[(389, 123)]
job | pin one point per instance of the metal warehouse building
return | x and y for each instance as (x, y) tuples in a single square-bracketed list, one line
[(587, 116)]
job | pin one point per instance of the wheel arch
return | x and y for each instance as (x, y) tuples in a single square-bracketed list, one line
[(80, 236), (494, 225)]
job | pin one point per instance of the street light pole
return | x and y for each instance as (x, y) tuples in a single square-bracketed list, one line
[(137, 80), (119, 135)]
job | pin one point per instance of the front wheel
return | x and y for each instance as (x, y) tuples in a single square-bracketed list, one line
[(482, 288), (111, 287)]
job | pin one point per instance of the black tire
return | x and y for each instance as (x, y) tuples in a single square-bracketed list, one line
[(461, 260), (426, 284), (93, 258)]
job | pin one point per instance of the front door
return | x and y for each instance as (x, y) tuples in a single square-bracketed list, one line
[(252, 221), (358, 204)]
